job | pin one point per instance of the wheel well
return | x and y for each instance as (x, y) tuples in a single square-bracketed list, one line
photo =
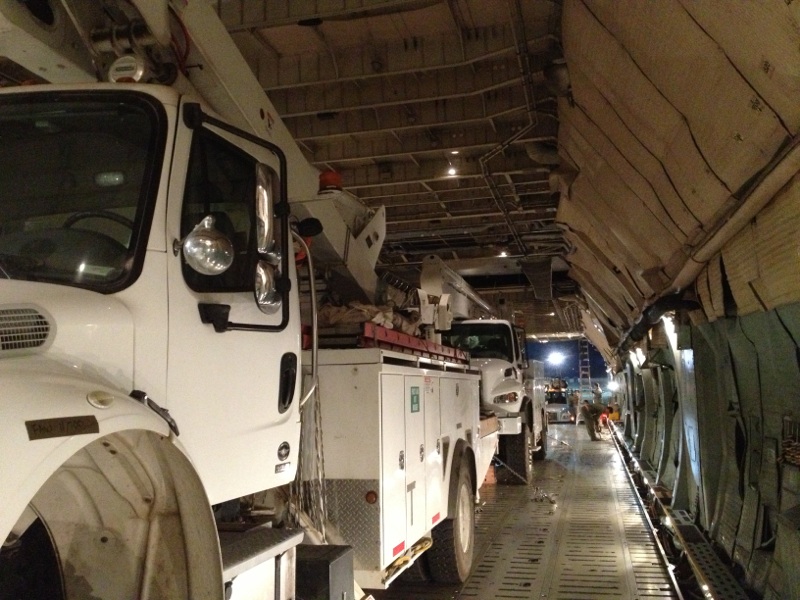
[(527, 411), (463, 457), (117, 512)]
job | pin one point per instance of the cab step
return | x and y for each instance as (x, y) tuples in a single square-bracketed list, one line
[(246, 549)]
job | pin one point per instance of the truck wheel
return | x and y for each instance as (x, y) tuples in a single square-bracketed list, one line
[(450, 557), (541, 453), (516, 453)]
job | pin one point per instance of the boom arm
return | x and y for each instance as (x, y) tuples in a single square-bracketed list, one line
[(438, 279)]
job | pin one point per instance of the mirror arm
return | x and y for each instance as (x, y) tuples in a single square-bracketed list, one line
[(215, 314)]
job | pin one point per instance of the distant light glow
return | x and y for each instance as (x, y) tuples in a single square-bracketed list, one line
[(503, 254), (640, 356), (556, 358), (453, 151), (637, 357), (451, 171), (672, 333), (613, 386)]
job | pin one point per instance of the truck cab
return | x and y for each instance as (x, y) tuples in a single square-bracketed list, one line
[(150, 339)]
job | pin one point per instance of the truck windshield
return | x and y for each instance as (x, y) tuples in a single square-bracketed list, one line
[(77, 170), (481, 340)]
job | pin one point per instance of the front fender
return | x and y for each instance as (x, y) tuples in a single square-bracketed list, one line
[(48, 417), (94, 464), (507, 386)]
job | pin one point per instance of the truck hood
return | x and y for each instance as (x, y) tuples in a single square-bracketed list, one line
[(89, 332)]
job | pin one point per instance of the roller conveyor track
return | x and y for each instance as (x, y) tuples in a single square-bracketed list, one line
[(578, 532)]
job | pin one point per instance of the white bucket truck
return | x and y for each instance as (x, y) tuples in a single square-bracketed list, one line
[(497, 350)]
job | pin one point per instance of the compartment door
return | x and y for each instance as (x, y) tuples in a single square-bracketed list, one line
[(434, 448), (416, 519), (393, 468)]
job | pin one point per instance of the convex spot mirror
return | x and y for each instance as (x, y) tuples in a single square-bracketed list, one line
[(207, 250), (267, 296)]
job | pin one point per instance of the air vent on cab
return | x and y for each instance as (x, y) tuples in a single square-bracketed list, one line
[(22, 329)]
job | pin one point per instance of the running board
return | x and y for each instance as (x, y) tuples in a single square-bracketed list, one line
[(245, 550)]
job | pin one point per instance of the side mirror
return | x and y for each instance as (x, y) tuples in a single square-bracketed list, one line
[(206, 249), (265, 208), (268, 299)]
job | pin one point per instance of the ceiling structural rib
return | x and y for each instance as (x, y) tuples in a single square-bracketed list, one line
[(441, 111), (506, 106), (363, 149), (433, 170), (417, 55), (409, 88), (263, 14), (458, 20)]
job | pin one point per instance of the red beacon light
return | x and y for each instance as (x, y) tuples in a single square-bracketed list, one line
[(330, 182)]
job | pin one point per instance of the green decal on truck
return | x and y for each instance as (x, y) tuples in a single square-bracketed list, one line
[(414, 398)]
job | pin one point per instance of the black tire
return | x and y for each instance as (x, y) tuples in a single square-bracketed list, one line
[(516, 453), (541, 453), (451, 556)]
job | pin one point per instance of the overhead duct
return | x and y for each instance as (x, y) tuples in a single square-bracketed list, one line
[(543, 153), (556, 74), (540, 276), (650, 317)]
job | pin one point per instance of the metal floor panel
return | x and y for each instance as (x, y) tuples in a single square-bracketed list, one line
[(577, 533)]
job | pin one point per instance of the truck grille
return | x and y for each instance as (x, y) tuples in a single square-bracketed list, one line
[(22, 329)]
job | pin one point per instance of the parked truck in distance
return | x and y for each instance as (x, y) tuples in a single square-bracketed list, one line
[(497, 349)]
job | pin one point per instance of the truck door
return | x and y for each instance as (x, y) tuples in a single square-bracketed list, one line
[(232, 390)]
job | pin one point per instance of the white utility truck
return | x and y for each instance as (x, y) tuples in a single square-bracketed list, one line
[(406, 449), (497, 349), (150, 332)]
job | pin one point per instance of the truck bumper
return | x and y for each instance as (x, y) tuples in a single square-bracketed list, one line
[(510, 425)]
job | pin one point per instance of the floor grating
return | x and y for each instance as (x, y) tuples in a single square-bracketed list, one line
[(577, 533)]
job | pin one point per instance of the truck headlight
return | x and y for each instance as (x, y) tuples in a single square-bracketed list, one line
[(509, 398)]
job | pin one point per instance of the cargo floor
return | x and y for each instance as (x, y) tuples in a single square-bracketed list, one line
[(576, 533)]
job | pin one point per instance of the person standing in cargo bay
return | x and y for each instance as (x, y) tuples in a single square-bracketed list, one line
[(591, 417)]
